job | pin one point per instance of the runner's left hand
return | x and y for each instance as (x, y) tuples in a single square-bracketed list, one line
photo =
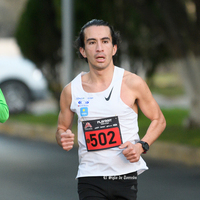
[(131, 151)]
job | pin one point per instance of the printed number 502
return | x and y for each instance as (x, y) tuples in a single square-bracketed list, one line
[(102, 138)]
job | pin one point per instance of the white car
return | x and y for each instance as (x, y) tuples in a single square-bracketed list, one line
[(21, 82)]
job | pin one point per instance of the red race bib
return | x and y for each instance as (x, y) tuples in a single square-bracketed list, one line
[(102, 133)]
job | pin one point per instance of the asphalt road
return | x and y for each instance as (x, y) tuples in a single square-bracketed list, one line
[(31, 170)]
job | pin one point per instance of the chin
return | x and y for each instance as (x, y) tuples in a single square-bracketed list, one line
[(103, 65), (100, 67)]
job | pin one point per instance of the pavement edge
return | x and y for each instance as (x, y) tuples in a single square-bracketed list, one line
[(159, 150)]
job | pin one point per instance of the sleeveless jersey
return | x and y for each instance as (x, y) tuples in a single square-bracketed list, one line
[(104, 122)]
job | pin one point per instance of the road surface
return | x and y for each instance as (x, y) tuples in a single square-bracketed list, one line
[(33, 170)]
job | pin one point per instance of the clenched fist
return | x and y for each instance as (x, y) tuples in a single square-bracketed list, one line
[(131, 151), (67, 140)]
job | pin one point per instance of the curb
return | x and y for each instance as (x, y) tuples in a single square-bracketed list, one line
[(159, 150), (175, 153), (29, 131)]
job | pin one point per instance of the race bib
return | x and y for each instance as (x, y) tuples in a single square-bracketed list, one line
[(102, 133)]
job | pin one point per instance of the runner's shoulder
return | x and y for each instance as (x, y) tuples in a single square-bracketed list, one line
[(66, 93), (132, 80)]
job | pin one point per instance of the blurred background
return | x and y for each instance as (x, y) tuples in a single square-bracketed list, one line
[(160, 43)]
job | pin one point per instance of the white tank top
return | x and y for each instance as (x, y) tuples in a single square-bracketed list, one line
[(95, 112)]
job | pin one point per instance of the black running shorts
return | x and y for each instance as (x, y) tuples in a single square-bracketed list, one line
[(123, 187)]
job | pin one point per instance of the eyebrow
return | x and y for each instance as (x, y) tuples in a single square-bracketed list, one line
[(104, 38)]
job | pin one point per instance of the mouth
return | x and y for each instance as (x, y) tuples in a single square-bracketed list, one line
[(100, 58)]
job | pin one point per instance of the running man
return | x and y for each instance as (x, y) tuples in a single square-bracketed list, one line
[(106, 100)]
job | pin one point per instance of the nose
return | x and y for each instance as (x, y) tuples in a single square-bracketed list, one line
[(99, 47)]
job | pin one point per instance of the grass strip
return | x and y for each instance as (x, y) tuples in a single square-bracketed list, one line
[(175, 132)]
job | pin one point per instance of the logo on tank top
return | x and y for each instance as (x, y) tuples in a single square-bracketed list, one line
[(84, 111), (82, 101), (108, 98), (83, 104)]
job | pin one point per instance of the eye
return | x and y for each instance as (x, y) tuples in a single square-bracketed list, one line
[(105, 41), (91, 42)]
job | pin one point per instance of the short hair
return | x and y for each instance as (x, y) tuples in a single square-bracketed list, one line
[(79, 42)]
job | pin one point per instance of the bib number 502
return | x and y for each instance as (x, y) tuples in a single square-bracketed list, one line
[(102, 139)]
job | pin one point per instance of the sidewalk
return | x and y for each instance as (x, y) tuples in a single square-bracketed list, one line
[(29, 131), (159, 150), (172, 102)]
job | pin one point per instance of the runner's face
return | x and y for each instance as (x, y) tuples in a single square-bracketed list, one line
[(98, 47)]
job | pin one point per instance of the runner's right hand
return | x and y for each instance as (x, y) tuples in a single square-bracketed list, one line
[(67, 140)]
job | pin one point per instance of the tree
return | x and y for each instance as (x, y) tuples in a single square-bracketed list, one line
[(178, 23), (39, 33), (152, 31), (39, 37)]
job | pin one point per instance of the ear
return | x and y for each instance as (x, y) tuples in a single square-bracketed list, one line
[(114, 49), (82, 51)]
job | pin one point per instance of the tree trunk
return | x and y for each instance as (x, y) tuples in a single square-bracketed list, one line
[(190, 71)]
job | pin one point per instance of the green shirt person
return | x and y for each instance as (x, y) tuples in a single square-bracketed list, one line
[(4, 111)]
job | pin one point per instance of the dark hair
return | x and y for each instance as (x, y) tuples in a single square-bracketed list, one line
[(95, 22)]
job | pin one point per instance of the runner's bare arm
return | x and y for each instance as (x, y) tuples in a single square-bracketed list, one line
[(64, 136), (151, 110), (140, 93)]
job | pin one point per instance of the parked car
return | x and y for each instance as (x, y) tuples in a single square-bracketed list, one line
[(21, 82)]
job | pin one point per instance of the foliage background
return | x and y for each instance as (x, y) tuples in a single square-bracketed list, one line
[(152, 31)]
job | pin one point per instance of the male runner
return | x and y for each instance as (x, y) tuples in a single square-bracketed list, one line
[(4, 111), (106, 100)]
